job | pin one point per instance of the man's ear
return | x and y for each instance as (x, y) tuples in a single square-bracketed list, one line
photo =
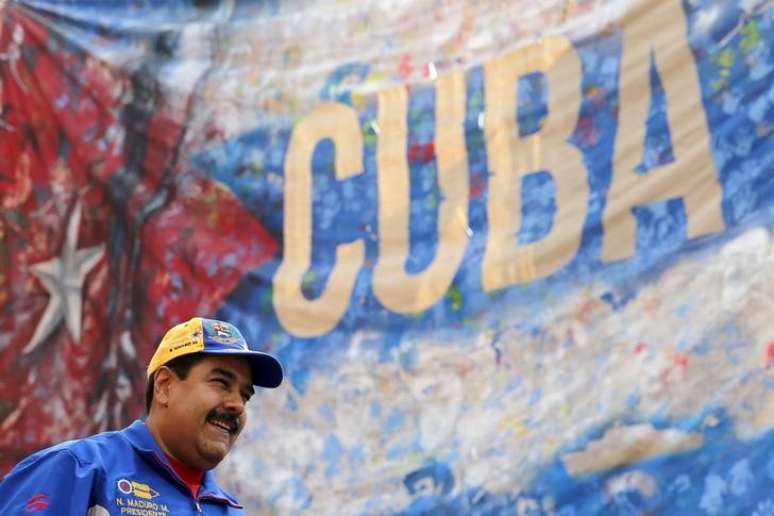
[(162, 386)]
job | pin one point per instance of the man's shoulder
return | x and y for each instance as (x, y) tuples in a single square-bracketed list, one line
[(87, 451)]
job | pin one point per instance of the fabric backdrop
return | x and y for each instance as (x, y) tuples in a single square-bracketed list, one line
[(515, 257)]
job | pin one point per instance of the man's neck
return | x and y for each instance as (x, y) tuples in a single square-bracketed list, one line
[(191, 476), (153, 427)]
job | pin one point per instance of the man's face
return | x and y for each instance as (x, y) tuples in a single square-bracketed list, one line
[(206, 411)]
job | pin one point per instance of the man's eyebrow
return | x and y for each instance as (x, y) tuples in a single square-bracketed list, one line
[(223, 372)]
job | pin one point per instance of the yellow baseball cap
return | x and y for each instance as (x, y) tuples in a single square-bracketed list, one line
[(213, 337)]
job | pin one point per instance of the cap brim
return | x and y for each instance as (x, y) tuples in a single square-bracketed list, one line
[(267, 371)]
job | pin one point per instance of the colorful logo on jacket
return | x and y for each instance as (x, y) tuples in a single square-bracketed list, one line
[(138, 489), (37, 503)]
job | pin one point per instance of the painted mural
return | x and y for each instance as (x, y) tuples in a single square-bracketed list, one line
[(515, 257)]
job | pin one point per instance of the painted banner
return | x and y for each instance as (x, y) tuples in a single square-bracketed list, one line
[(515, 257)]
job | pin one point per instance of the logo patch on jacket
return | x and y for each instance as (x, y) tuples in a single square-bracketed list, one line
[(138, 489), (37, 503)]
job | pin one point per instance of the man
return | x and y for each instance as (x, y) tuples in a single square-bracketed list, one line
[(199, 381)]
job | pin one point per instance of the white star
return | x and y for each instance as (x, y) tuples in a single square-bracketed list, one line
[(63, 278)]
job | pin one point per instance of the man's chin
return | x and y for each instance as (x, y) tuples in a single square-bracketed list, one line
[(213, 453)]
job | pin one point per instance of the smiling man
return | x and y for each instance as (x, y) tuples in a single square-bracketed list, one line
[(199, 382)]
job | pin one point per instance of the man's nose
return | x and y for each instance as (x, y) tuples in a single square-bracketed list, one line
[(235, 402)]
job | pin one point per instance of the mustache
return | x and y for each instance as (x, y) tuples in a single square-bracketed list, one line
[(228, 418)]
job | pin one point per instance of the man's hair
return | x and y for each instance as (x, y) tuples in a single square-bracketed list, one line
[(181, 366)]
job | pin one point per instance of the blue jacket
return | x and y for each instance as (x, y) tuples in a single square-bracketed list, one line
[(109, 473)]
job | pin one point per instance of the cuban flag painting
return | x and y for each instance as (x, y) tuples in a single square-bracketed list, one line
[(515, 257)]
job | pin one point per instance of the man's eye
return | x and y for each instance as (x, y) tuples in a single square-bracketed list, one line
[(221, 381)]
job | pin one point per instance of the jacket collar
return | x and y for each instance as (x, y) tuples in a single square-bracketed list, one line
[(141, 439)]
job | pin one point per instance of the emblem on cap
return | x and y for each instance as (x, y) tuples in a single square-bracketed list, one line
[(223, 333), (222, 330)]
